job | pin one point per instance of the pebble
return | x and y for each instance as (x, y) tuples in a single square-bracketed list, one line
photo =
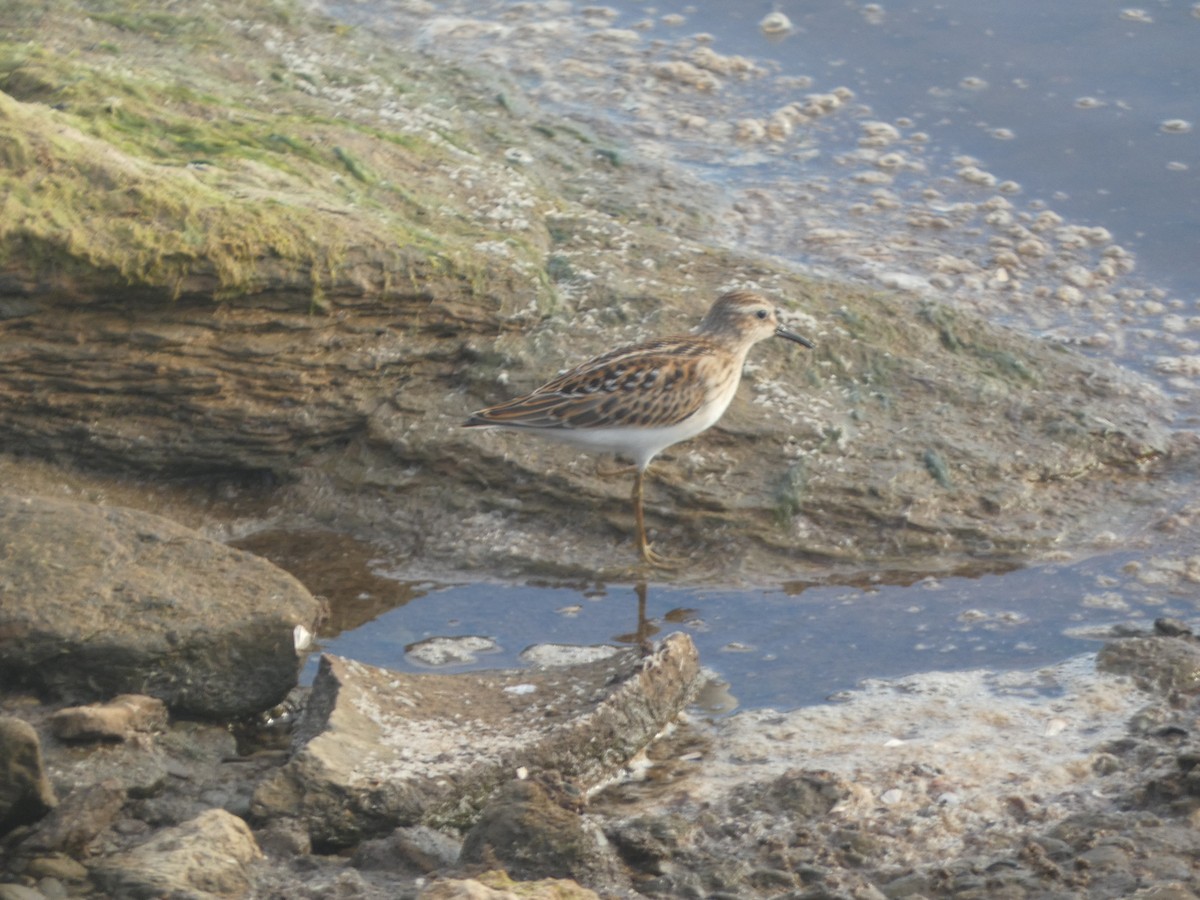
[(57, 868), (775, 23), (1134, 14), (518, 156), (446, 651)]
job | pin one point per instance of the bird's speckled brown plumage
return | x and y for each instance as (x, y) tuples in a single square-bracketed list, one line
[(638, 400), (639, 386)]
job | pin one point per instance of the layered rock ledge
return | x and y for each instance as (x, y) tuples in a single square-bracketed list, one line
[(377, 749), (314, 255)]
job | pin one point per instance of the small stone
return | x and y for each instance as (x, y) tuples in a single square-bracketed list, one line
[(498, 886), (420, 850), (518, 156), (53, 889), (1171, 627), (1105, 856), (284, 838), (1105, 764), (20, 892), (775, 23), (57, 866), (536, 838)]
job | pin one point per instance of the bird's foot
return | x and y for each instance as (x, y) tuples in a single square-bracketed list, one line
[(650, 558)]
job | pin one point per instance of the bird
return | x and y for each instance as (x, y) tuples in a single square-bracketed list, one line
[(636, 401)]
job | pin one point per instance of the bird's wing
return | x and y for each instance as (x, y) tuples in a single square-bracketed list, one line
[(647, 385)]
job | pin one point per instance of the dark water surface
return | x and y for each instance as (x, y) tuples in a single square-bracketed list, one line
[(1091, 109)]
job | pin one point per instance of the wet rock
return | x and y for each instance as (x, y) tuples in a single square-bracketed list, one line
[(419, 850), (912, 884), (25, 792), (1164, 665), (116, 720), (75, 823), (801, 795), (141, 768), (206, 856), (284, 838), (146, 606), (203, 770), (532, 837), (1106, 857), (649, 844), (376, 749)]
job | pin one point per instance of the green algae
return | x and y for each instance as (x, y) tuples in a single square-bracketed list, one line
[(71, 201), (166, 157)]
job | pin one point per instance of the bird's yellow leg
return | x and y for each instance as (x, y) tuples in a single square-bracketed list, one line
[(649, 557)]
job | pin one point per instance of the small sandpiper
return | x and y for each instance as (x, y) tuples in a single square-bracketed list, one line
[(637, 401)]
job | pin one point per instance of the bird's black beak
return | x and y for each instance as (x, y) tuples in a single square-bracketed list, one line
[(782, 332)]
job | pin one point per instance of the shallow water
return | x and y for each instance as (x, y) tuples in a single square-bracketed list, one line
[(1082, 110), (785, 648), (1069, 99)]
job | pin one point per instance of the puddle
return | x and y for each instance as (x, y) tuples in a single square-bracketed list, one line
[(781, 649)]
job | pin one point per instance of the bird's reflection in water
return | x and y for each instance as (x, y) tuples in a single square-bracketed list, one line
[(645, 630)]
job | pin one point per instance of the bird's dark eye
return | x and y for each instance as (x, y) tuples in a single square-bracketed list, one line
[(762, 313)]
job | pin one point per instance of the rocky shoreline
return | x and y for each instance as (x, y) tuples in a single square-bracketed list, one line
[(253, 270), (575, 780)]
